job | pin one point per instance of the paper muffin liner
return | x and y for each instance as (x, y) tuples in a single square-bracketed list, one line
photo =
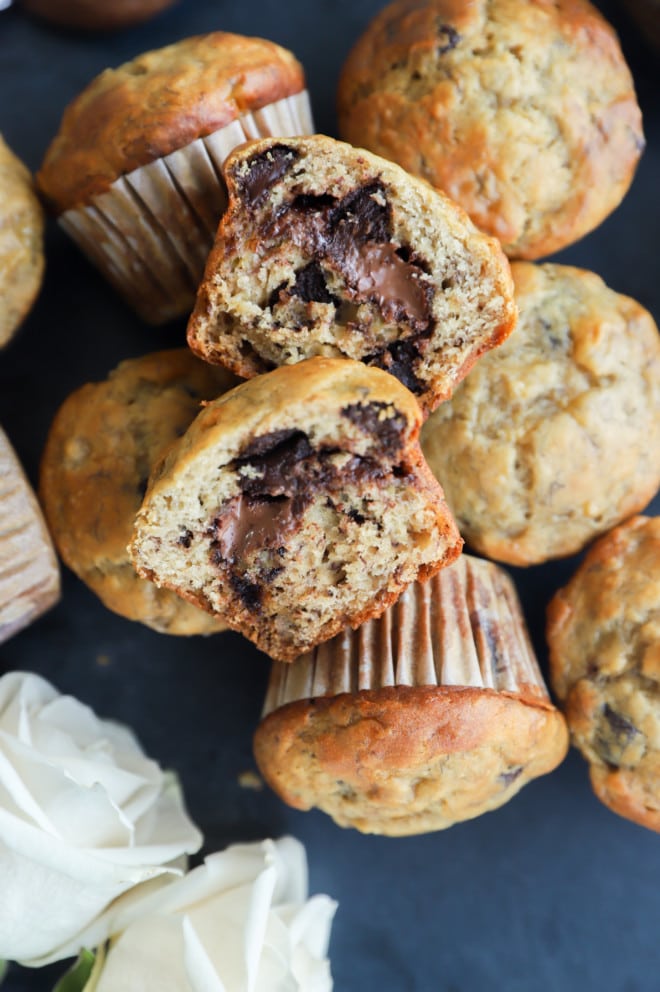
[(464, 627), (29, 574), (151, 232)]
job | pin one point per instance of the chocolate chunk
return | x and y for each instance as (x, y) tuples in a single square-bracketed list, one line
[(313, 202), (247, 526), (363, 215), (452, 36), (372, 419), (614, 735), (506, 778), (185, 539), (248, 592), (398, 359), (277, 469), (264, 170), (356, 516), (376, 272), (266, 443), (310, 286)]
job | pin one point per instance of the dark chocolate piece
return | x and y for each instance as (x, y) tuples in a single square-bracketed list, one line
[(247, 526), (616, 733), (363, 215), (398, 359), (264, 170), (452, 36), (368, 417), (310, 286), (506, 778), (248, 592)]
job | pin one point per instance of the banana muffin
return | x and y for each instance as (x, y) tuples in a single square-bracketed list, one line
[(328, 250), (297, 504), (432, 714), (134, 173), (604, 639), (554, 437), (100, 450), (524, 113), (21, 243)]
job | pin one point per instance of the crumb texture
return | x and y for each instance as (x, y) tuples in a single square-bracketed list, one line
[(554, 437), (604, 639), (100, 451), (524, 113), (326, 250), (297, 504)]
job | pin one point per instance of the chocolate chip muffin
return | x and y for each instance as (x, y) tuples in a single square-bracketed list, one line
[(604, 640), (432, 714), (327, 250), (21, 243), (100, 450), (297, 504), (134, 173), (29, 573), (524, 113), (554, 437)]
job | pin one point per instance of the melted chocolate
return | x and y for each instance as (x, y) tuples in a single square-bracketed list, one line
[(352, 236), (264, 170), (247, 526)]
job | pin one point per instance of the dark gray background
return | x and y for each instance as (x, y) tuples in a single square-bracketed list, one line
[(552, 892)]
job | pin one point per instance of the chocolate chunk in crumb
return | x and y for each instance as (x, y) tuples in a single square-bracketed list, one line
[(398, 359), (248, 592), (376, 418), (264, 170), (446, 31), (310, 286), (363, 215)]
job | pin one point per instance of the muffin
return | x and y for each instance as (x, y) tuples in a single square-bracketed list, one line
[(554, 437), (297, 504), (134, 173), (432, 714), (604, 640), (101, 447), (524, 113), (21, 243), (29, 574), (96, 15), (328, 250)]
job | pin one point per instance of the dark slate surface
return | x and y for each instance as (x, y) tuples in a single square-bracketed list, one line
[(552, 892)]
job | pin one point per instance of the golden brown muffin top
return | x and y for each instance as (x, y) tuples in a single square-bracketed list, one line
[(523, 112), (98, 456), (157, 103), (21, 243), (604, 638), (405, 760)]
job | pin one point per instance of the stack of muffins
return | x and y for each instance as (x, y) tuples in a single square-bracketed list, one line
[(355, 296)]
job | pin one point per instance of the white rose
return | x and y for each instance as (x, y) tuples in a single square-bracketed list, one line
[(84, 816), (241, 922)]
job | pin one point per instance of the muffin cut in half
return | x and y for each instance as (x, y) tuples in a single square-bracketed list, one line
[(328, 250), (434, 713), (297, 504)]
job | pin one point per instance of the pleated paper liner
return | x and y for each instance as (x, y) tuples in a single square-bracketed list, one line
[(29, 573), (464, 627), (151, 232)]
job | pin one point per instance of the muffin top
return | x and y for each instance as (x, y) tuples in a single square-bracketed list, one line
[(157, 103), (604, 639), (101, 448), (21, 243), (554, 437), (524, 113)]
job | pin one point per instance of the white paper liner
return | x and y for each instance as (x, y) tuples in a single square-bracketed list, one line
[(29, 574), (464, 627), (151, 232)]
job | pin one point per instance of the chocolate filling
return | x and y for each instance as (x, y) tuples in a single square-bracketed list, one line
[(264, 170), (279, 474), (352, 237)]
